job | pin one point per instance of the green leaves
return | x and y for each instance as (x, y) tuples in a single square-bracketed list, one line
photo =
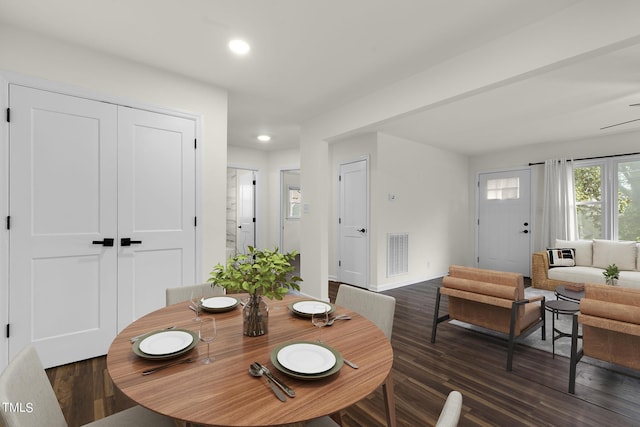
[(264, 272)]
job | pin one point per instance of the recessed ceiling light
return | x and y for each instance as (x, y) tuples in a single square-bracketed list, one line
[(240, 47), (264, 138)]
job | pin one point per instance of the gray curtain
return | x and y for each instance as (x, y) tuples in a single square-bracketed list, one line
[(559, 218)]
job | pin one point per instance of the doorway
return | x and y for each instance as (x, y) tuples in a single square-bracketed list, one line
[(241, 210), (504, 223)]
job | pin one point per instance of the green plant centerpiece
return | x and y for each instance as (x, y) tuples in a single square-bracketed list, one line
[(260, 273), (611, 274)]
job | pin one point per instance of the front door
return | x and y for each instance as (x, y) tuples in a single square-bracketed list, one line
[(353, 224), (62, 242), (504, 223)]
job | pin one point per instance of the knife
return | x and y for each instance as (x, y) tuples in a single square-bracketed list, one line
[(275, 389), (279, 383)]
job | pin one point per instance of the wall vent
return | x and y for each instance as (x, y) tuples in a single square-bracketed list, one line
[(397, 254)]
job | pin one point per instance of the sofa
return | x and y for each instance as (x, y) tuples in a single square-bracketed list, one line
[(492, 300), (555, 266), (610, 319)]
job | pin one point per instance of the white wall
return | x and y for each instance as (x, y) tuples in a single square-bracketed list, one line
[(431, 204)]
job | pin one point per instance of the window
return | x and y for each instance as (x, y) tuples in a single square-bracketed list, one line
[(294, 199), (608, 198), (503, 188)]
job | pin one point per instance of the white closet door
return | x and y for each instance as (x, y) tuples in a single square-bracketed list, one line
[(62, 199), (156, 209)]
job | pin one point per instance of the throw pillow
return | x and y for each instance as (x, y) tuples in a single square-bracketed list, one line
[(621, 253), (561, 257), (583, 248)]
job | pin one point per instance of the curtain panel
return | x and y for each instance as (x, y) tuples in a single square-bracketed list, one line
[(559, 217)]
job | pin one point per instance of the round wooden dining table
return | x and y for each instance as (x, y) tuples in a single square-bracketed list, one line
[(223, 393)]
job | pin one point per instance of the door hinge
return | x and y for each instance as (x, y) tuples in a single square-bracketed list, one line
[(8, 115), (478, 260), (195, 221), (8, 222), (339, 220), (339, 178), (8, 331), (254, 220), (339, 263), (254, 182)]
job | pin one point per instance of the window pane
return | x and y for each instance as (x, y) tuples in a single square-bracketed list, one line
[(503, 189), (588, 184), (589, 221), (629, 201)]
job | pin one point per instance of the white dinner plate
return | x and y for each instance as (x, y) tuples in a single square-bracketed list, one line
[(165, 342), (311, 307), (306, 358), (219, 302)]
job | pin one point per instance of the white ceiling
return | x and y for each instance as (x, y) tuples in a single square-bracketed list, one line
[(309, 57)]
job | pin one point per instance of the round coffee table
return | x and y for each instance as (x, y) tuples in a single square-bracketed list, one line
[(562, 293), (556, 308)]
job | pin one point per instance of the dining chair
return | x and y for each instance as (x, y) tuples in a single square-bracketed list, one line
[(183, 293), (451, 410), (379, 309), (28, 400)]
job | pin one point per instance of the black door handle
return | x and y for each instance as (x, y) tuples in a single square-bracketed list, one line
[(126, 241), (104, 242), (525, 231), (363, 230)]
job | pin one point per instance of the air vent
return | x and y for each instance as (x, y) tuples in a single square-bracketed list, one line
[(397, 254)]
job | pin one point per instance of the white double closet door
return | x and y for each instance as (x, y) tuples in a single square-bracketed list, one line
[(102, 208)]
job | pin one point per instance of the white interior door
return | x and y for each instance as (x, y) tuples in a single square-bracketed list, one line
[(291, 210), (353, 265), (246, 210), (62, 284), (156, 209), (504, 223)]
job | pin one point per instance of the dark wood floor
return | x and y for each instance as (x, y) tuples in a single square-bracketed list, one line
[(533, 394)]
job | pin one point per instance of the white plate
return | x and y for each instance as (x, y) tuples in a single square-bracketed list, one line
[(165, 342), (306, 358), (310, 307), (219, 302)]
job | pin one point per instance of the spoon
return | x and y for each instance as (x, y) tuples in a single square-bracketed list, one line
[(256, 371), (340, 317)]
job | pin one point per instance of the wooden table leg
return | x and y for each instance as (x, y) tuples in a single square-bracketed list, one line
[(389, 400)]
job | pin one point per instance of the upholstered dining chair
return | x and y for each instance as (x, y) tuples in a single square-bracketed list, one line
[(451, 410), (449, 416), (183, 293), (379, 309), (24, 382)]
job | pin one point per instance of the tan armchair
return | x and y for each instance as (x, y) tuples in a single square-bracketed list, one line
[(610, 318), (491, 299)]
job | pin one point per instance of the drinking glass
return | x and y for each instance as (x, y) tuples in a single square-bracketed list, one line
[(207, 334), (320, 317), (196, 299)]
